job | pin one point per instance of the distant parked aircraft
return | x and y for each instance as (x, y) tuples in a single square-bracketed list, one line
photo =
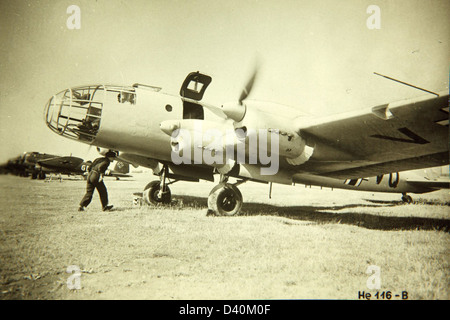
[(38, 165)]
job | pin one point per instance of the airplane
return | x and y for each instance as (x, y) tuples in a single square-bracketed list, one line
[(14, 166), (182, 138), (38, 165), (33, 164)]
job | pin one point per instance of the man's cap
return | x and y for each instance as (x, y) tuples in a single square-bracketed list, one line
[(110, 154)]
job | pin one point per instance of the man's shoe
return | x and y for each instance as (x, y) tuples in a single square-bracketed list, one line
[(107, 208), (81, 209)]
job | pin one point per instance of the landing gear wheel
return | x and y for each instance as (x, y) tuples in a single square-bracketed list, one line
[(406, 198), (41, 175), (152, 194), (225, 200)]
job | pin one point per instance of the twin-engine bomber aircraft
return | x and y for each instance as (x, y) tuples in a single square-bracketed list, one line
[(38, 165), (181, 138)]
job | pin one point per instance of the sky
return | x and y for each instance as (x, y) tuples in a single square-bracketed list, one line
[(318, 56)]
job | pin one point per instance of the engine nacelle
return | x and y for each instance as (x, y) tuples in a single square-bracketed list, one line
[(197, 141), (271, 127), (253, 140)]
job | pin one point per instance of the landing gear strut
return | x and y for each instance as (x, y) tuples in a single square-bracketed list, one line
[(406, 198), (225, 199), (158, 191), (38, 175)]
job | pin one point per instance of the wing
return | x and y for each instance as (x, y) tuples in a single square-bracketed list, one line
[(400, 136), (121, 170), (62, 163), (118, 175), (178, 172)]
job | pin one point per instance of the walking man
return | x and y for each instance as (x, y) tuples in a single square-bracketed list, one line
[(95, 181)]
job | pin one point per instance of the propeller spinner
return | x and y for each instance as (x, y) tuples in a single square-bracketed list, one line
[(237, 111)]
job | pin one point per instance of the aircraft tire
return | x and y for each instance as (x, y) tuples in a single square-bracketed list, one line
[(225, 200), (151, 191), (34, 175)]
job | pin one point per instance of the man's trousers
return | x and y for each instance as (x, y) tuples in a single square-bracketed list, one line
[(92, 184)]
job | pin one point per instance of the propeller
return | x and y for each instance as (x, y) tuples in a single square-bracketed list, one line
[(237, 111), (248, 87)]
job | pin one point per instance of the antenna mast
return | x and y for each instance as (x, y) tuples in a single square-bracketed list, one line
[(378, 74)]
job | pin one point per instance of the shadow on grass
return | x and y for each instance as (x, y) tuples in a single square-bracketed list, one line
[(319, 214)]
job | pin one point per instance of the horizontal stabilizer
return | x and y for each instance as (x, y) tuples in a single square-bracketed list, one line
[(431, 184)]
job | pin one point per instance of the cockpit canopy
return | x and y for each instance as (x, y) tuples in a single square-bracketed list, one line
[(76, 112)]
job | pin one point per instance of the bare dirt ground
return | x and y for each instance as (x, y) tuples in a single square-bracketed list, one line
[(302, 243)]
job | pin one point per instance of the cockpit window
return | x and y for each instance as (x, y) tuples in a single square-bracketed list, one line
[(126, 97), (76, 112)]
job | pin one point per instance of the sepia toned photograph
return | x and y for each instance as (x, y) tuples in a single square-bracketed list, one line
[(203, 151)]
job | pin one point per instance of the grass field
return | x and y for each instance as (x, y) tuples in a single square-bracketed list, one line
[(302, 243)]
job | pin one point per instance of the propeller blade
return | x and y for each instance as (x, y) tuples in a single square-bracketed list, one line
[(248, 87), (216, 110)]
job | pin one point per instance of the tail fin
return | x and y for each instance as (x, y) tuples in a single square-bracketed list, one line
[(122, 167)]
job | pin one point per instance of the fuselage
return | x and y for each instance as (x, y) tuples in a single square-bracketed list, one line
[(106, 120)]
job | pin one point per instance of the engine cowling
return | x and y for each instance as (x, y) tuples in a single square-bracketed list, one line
[(268, 123), (253, 140)]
